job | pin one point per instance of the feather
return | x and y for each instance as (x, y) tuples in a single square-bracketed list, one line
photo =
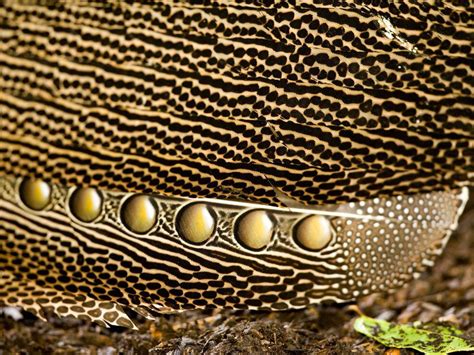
[(241, 154), (324, 101), (50, 259)]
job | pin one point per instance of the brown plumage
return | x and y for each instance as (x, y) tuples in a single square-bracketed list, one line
[(238, 154)]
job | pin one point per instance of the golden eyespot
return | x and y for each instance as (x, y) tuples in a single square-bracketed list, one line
[(139, 213), (196, 223), (86, 204), (255, 229), (313, 232), (35, 194)]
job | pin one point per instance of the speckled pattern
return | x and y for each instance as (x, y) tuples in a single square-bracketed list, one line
[(363, 108), (324, 101), (50, 260)]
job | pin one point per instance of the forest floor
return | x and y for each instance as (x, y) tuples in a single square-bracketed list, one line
[(443, 294)]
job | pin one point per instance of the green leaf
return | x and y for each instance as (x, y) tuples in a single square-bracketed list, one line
[(427, 338)]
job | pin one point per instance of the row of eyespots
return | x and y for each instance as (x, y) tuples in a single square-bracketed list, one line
[(195, 222)]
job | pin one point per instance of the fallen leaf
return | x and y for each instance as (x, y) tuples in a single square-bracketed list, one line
[(427, 338)]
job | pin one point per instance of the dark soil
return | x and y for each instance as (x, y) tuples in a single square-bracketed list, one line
[(444, 294)]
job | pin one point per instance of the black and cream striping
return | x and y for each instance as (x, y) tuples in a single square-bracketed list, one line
[(178, 254), (244, 154)]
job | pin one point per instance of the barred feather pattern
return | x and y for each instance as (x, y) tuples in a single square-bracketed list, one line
[(378, 245), (326, 102), (359, 112)]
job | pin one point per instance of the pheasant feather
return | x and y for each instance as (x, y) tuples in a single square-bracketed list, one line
[(240, 154)]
